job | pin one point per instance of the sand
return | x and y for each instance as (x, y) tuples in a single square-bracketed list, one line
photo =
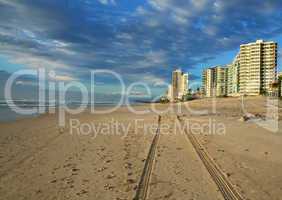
[(39, 160)]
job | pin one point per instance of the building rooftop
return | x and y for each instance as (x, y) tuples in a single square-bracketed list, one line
[(257, 42)]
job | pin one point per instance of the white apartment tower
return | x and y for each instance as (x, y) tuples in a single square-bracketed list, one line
[(214, 81), (169, 94), (208, 82), (221, 81), (253, 72), (185, 79), (233, 77), (258, 67)]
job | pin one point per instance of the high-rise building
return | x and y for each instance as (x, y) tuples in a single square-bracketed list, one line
[(169, 92), (179, 84), (214, 81), (258, 67), (176, 83), (253, 72), (204, 85), (233, 77), (280, 84), (208, 82), (185, 78), (221, 81)]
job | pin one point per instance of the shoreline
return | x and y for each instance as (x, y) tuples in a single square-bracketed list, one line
[(17, 117)]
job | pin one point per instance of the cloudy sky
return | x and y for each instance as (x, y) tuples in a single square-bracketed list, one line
[(143, 40)]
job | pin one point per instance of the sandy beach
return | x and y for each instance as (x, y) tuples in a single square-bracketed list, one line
[(105, 159)]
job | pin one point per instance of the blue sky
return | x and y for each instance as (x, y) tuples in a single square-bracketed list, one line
[(143, 40)]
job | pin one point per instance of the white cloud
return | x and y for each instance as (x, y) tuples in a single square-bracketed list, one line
[(199, 4), (65, 51), (210, 30), (152, 59), (170, 9), (160, 4), (180, 19), (28, 33), (10, 3), (141, 11), (154, 80), (151, 22), (107, 2), (148, 78), (156, 56), (36, 62), (124, 36), (225, 41), (218, 5), (110, 61)]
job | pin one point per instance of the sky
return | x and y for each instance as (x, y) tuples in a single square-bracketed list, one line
[(142, 40)]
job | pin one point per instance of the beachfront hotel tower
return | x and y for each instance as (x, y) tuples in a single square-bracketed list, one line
[(208, 82), (252, 72), (258, 67), (179, 86), (214, 81), (221, 75)]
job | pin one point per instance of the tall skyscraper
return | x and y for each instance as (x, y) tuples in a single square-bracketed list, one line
[(179, 84), (258, 67)]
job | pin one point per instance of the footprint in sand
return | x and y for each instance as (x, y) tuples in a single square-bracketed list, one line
[(82, 192), (111, 176), (108, 187), (53, 181), (102, 169)]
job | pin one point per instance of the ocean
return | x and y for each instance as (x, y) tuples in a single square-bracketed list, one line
[(8, 115)]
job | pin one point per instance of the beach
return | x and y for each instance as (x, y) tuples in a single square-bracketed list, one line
[(103, 156)]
